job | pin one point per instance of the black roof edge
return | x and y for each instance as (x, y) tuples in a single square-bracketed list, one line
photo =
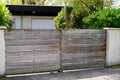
[(34, 10)]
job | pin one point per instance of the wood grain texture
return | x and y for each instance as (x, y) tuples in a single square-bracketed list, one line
[(49, 50), (83, 65), (83, 49), (32, 42), (32, 48), (19, 70), (32, 51)]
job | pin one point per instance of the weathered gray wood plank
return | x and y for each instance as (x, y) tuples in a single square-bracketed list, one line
[(46, 68), (84, 36), (84, 45), (22, 53), (42, 37), (82, 60), (30, 31), (42, 57), (81, 31), (25, 69), (83, 55), (82, 66), (83, 41), (32, 42), (41, 63), (82, 50), (32, 48), (31, 69)]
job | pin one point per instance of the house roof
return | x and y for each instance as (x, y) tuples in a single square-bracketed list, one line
[(31, 10)]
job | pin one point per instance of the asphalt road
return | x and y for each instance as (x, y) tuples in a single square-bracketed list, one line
[(94, 74)]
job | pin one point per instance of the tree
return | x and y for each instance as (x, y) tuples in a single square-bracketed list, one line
[(54, 2), (81, 9), (35, 2), (18, 2), (60, 22), (27, 2)]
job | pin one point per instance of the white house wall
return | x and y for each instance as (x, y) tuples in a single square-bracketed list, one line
[(33, 22), (26, 22), (17, 22), (42, 24)]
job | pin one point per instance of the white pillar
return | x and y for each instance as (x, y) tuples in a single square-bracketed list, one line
[(113, 46), (2, 52)]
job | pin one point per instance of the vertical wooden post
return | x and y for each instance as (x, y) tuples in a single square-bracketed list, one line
[(2, 51), (61, 48)]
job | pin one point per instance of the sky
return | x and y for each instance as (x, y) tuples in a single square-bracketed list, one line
[(116, 3)]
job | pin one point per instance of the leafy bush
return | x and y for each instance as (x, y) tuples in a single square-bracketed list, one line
[(5, 16), (103, 18), (60, 20)]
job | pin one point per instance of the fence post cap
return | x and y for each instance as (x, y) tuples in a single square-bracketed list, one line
[(106, 28), (2, 28)]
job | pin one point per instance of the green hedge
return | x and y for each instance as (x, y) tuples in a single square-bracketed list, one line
[(103, 18)]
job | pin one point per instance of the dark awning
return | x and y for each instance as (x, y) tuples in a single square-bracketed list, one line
[(31, 10)]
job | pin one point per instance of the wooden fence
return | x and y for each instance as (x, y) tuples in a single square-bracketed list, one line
[(30, 51)]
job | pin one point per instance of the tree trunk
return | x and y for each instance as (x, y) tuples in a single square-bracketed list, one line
[(23, 1)]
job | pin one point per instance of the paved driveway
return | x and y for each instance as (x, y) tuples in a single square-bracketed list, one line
[(96, 74)]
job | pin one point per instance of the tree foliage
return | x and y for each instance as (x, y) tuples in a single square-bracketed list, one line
[(103, 18), (26, 2), (60, 20), (34, 2), (63, 20), (5, 16), (81, 9), (13, 2)]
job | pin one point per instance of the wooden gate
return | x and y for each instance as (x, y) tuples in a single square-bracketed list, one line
[(83, 49), (30, 51)]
